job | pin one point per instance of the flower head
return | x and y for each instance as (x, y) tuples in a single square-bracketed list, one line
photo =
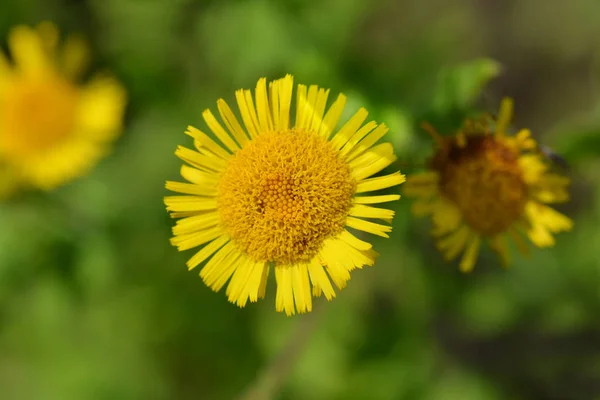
[(51, 129), (483, 184), (282, 195)]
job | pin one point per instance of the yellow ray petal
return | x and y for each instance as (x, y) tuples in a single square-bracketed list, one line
[(262, 106), (366, 226), (373, 161), (301, 287), (367, 142), (207, 142), (246, 107), (200, 161), (470, 256), (284, 299), (219, 131), (190, 203), (236, 290), (357, 137), (195, 223), (504, 116), (198, 177), (386, 198), (354, 241), (207, 251), (446, 217), (332, 117), (224, 270), (191, 188), (27, 51), (195, 239), (454, 243), (286, 89), (359, 210), (231, 122), (380, 182), (319, 280), (213, 268), (319, 109), (349, 129)]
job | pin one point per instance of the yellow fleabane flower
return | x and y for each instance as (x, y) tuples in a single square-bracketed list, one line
[(282, 195), (52, 129), (485, 185)]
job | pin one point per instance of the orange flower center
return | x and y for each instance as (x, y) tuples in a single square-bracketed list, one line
[(483, 178), (283, 194), (36, 115)]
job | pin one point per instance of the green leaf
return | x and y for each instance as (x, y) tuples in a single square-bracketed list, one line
[(459, 86)]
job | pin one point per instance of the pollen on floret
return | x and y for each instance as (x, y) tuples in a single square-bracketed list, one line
[(484, 179), (283, 194)]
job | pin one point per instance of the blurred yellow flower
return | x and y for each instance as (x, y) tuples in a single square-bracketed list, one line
[(282, 195), (51, 129), (483, 184)]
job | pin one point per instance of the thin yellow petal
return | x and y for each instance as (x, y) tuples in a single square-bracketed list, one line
[(224, 270), (286, 89), (206, 252), (263, 282), (454, 243), (301, 286), (236, 289), (274, 102), (200, 161), (504, 116), (366, 226), (190, 203), (367, 142), (380, 182), (284, 299), (262, 106), (219, 131), (470, 256), (190, 188), (332, 117), (349, 129), (386, 198), (195, 223), (301, 99), (354, 241), (246, 107), (27, 51), (212, 270), (198, 177), (231, 122), (319, 279), (359, 210), (195, 239), (207, 142), (373, 161), (319, 110)]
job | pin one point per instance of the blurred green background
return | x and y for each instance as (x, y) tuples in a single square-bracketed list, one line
[(96, 304)]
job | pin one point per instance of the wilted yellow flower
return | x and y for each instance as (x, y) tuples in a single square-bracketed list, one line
[(51, 129), (483, 184), (283, 195)]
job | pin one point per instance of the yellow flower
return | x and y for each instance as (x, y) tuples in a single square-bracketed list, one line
[(486, 185), (282, 195), (51, 129)]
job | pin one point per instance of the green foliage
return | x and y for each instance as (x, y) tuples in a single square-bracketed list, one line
[(96, 304)]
